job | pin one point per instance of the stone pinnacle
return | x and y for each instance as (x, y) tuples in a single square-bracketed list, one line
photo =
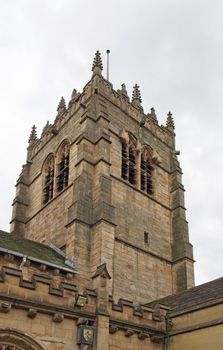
[(170, 121), (33, 135), (97, 66)]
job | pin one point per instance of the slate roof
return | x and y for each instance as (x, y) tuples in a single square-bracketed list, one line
[(203, 293), (15, 243)]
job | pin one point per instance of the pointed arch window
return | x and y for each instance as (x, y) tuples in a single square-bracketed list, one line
[(48, 179), (63, 166), (129, 159), (146, 169), (12, 339)]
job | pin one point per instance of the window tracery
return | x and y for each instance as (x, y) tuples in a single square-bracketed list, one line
[(136, 163), (124, 161), (5, 346), (63, 166), (12, 339), (128, 171), (132, 165), (146, 170), (48, 179)]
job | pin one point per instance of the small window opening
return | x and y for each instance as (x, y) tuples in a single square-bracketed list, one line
[(48, 187), (146, 175), (146, 237), (143, 174), (63, 172), (149, 187), (124, 161), (132, 164)]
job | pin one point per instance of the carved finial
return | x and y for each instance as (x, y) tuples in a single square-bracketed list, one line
[(97, 66), (123, 91), (45, 127), (136, 95), (74, 94), (170, 122), (153, 114), (33, 135), (62, 106)]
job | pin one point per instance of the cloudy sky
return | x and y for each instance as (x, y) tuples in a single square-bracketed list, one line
[(172, 48)]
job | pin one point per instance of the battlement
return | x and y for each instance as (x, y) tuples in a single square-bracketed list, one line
[(98, 85)]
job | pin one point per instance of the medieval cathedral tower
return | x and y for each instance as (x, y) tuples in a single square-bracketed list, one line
[(98, 257), (103, 185)]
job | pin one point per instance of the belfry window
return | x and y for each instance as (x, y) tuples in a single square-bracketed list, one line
[(146, 172), (129, 159), (48, 180), (124, 161), (63, 167), (149, 169), (132, 166)]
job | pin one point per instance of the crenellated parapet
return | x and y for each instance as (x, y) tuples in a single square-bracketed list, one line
[(40, 295), (99, 85)]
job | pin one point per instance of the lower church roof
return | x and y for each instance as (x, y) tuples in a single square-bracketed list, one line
[(204, 293), (13, 243)]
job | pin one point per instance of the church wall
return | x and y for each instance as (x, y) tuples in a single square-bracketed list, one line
[(50, 335), (118, 342), (202, 339), (136, 213), (47, 222), (199, 328), (139, 276), (40, 305), (48, 225)]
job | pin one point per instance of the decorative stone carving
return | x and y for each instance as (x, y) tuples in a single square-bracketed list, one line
[(32, 313), (143, 335), (129, 332), (157, 338), (58, 317), (5, 307), (113, 329)]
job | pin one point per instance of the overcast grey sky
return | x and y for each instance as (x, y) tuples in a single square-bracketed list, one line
[(172, 48)]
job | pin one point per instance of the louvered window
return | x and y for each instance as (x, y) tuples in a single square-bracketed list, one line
[(146, 176), (132, 166), (4, 346), (48, 187), (124, 161), (63, 172)]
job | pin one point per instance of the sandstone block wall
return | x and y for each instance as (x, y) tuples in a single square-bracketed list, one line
[(100, 217)]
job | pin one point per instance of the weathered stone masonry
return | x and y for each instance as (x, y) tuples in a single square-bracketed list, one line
[(99, 216)]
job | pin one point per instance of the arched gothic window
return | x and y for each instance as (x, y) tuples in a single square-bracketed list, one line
[(146, 171), (128, 171), (48, 178), (11, 339), (63, 156)]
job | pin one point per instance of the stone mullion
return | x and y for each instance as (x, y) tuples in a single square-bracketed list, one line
[(127, 160), (138, 169)]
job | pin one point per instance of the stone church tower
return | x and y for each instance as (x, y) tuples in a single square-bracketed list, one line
[(103, 184)]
